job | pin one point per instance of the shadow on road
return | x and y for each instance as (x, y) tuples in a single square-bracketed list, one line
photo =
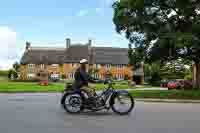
[(99, 114)]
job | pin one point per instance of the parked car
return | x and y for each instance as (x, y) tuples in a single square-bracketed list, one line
[(164, 83), (173, 85), (179, 84), (55, 77)]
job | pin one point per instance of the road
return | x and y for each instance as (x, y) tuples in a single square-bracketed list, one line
[(41, 113)]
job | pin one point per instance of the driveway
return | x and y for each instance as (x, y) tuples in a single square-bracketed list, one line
[(41, 113)]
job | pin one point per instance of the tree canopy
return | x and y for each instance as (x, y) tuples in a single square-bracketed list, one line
[(16, 66), (170, 29)]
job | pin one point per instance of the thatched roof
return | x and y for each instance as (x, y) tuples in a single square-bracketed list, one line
[(97, 55)]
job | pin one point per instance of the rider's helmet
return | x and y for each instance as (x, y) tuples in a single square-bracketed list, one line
[(83, 61)]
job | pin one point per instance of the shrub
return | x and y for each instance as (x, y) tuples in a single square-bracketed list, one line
[(187, 85), (31, 80), (12, 73), (126, 77), (155, 80), (156, 83), (188, 77), (114, 78), (63, 76)]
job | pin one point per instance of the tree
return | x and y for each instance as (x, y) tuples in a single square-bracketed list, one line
[(171, 29), (16, 66), (136, 55), (126, 77), (152, 73), (174, 70), (12, 74), (63, 76)]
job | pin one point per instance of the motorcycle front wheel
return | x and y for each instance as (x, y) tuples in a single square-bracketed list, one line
[(122, 103)]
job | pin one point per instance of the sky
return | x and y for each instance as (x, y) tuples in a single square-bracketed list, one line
[(50, 22)]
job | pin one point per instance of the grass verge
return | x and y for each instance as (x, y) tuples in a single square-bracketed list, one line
[(33, 87), (23, 87), (168, 94)]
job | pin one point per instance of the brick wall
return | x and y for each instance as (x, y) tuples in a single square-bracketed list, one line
[(66, 69)]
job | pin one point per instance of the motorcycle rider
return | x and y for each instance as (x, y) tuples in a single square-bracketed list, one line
[(82, 79)]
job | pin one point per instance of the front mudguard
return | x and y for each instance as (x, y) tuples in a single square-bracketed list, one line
[(112, 99)]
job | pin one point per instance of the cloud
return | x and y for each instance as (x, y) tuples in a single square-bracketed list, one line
[(8, 51), (99, 11), (82, 13)]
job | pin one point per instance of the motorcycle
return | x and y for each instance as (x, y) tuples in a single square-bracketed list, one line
[(76, 101)]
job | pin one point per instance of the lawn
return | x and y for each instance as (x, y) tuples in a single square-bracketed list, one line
[(12, 87), (167, 94), (8, 87)]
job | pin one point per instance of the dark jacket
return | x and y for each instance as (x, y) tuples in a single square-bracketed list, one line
[(82, 78)]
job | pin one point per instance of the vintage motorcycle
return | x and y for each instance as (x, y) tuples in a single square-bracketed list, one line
[(76, 101)]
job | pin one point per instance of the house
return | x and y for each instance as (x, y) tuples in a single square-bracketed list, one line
[(63, 62)]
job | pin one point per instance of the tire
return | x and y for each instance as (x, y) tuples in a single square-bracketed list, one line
[(126, 112), (62, 100), (72, 97)]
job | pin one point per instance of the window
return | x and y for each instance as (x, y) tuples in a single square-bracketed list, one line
[(71, 75), (97, 66), (108, 66), (31, 68), (30, 76), (117, 66), (120, 76), (42, 66), (117, 76), (96, 75), (120, 66)]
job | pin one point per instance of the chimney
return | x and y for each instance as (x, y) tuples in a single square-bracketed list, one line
[(68, 42), (28, 45), (90, 42), (90, 51)]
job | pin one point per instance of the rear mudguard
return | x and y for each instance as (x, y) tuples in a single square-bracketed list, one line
[(63, 96), (112, 99)]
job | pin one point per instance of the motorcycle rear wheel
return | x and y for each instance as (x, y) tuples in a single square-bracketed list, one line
[(75, 101)]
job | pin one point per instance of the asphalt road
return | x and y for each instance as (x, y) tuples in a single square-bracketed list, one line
[(41, 113)]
